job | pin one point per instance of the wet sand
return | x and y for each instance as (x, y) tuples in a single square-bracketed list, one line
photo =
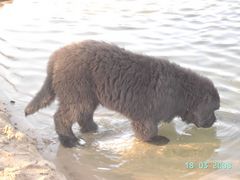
[(19, 158)]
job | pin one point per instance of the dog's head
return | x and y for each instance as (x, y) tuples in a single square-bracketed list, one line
[(202, 114)]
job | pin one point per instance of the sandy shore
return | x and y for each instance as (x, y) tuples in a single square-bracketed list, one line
[(19, 158)]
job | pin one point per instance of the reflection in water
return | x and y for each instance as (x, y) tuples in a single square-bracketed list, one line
[(201, 35), (124, 158)]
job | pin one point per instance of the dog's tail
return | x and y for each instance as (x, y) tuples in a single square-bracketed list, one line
[(44, 97)]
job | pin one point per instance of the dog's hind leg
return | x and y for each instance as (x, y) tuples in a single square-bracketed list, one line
[(85, 119), (86, 122), (64, 119)]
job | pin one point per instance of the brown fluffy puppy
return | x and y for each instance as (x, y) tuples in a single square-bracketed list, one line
[(145, 89)]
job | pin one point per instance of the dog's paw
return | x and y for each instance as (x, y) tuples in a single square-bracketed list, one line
[(93, 127), (159, 140), (69, 142)]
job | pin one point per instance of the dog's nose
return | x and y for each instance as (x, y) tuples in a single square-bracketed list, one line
[(207, 125)]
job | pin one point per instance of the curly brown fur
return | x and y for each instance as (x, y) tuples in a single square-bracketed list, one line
[(145, 89)]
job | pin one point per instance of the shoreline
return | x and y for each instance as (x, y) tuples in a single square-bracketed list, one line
[(19, 157)]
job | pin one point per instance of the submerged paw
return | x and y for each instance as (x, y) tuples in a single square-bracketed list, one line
[(159, 140), (68, 141)]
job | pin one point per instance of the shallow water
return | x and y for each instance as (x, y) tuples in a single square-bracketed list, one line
[(201, 35)]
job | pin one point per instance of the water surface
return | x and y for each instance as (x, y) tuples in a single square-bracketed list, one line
[(201, 35)]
